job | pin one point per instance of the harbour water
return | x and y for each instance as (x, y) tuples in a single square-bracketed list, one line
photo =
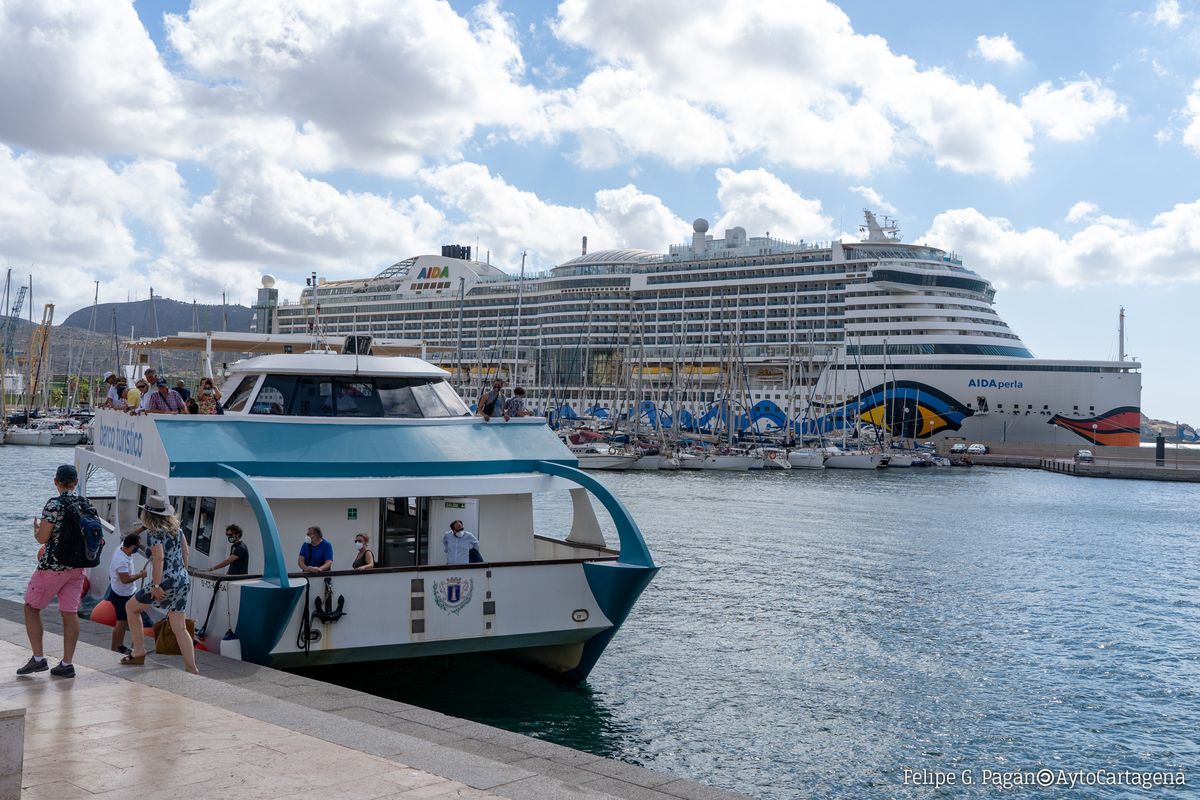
[(814, 635)]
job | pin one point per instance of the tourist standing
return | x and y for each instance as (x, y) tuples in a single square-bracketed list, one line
[(208, 397), (164, 400), (458, 542), (316, 555), (491, 401), (54, 579), (171, 584), (365, 558), (238, 559)]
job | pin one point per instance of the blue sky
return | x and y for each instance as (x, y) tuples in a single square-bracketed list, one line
[(193, 146)]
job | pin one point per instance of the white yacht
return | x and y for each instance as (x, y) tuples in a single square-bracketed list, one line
[(817, 336), (363, 444)]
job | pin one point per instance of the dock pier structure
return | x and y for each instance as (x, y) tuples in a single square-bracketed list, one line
[(240, 730)]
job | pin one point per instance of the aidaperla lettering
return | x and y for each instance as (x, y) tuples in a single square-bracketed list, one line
[(992, 383), (120, 440)]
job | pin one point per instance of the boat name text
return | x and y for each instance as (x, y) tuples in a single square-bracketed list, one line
[(120, 440), (992, 383)]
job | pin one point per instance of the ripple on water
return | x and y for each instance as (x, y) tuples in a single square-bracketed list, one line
[(813, 634)]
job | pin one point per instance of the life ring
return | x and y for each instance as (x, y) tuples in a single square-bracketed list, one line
[(771, 455), (612, 451)]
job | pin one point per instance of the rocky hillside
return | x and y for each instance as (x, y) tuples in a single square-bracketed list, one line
[(171, 316)]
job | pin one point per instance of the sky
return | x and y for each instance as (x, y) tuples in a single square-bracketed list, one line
[(194, 146)]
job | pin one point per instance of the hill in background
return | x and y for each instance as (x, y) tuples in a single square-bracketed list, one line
[(172, 316)]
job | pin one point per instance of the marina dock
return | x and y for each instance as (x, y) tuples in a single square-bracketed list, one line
[(242, 730), (1128, 463)]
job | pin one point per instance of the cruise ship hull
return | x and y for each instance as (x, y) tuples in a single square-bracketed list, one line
[(1007, 401)]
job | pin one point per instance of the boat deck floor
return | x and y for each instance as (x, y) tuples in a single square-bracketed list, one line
[(241, 730)]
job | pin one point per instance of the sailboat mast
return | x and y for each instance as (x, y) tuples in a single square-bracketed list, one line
[(517, 341)]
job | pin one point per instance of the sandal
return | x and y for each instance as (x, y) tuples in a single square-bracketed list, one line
[(133, 661)]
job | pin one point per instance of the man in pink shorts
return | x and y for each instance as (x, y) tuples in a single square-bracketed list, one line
[(52, 579)]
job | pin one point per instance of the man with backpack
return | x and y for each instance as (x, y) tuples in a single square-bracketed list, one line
[(69, 529)]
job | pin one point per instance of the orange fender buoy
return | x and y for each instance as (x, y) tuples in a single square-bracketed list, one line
[(104, 614)]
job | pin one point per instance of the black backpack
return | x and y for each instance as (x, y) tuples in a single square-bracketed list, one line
[(81, 535)]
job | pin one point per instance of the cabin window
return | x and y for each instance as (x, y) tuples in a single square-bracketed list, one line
[(312, 398), (204, 524), (275, 395), (454, 404), (238, 398), (187, 517), (396, 398), (357, 398)]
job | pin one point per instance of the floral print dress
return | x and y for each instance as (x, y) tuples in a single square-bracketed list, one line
[(207, 403), (175, 581)]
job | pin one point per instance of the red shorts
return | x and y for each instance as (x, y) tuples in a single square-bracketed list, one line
[(47, 583)]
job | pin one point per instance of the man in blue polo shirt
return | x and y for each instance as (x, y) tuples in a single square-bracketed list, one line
[(316, 555)]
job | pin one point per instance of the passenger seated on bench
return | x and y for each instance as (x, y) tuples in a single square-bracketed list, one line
[(365, 558), (316, 555)]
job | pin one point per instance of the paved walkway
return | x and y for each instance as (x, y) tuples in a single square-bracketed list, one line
[(241, 730)]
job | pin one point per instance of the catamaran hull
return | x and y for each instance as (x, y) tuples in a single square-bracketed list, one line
[(558, 617)]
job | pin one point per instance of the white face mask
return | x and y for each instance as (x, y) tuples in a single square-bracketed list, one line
[(360, 545)]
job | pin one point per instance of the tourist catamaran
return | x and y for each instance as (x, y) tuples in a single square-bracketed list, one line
[(363, 444)]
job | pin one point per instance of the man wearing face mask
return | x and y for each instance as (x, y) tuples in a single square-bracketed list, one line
[(458, 544), (239, 555), (316, 555)]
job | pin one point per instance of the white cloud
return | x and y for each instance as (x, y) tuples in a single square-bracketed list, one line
[(760, 202), (1191, 134), (790, 81), (508, 220), (378, 84), (1106, 251), (84, 77), (1163, 135), (1168, 14), (1072, 112), (998, 49), (874, 199), (1081, 210), (262, 216)]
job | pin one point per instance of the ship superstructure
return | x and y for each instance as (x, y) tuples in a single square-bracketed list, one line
[(803, 336)]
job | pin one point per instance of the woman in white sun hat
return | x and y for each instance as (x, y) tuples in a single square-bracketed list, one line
[(172, 584)]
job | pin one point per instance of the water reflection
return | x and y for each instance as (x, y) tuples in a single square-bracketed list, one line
[(495, 692)]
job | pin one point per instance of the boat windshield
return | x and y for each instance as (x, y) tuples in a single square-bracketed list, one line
[(357, 396)]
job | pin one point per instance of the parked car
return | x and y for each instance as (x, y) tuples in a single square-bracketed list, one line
[(977, 450), (958, 447), (1084, 457)]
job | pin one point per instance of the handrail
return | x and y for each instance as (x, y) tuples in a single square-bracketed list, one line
[(633, 547), (344, 573), (274, 566)]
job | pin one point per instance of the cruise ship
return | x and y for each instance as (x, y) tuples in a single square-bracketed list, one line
[(803, 338)]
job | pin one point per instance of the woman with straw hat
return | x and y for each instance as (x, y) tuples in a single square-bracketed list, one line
[(172, 584)]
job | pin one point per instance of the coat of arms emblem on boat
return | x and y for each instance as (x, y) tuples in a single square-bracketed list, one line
[(453, 594)]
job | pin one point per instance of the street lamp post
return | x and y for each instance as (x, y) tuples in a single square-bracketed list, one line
[(1094, 426)]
